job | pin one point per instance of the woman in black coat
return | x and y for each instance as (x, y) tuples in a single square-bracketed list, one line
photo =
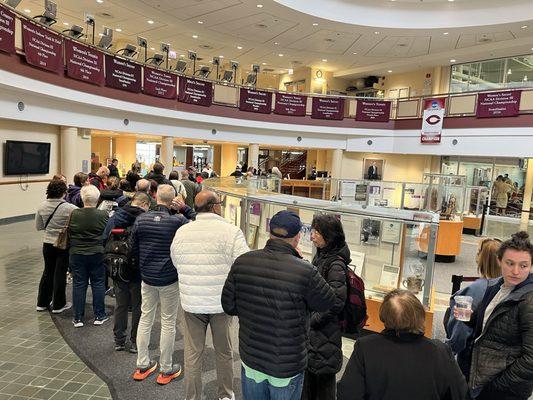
[(325, 346), (400, 363)]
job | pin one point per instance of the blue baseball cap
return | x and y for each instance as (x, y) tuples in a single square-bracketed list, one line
[(285, 224)]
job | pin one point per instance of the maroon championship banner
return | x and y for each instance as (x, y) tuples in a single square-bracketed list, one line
[(7, 30), (324, 108), (160, 83), (373, 111), (498, 104), (193, 91), (44, 49), (290, 104), (84, 63), (122, 74), (255, 101)]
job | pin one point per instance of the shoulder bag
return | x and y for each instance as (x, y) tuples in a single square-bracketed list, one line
[(62, 239)]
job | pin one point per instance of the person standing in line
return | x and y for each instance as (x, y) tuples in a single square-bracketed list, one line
[(153, 233), (85, 231), (113, 170), (272, 291), (174, 178), (209, 170), (100, 178), (501, 192), (143, 185), (325, 336), (73, 192), (400, 363), (202, 276), (457, 331), (51, 217), (502, 343), (133, 174), (190, 187), (157, 174), (127, 293)]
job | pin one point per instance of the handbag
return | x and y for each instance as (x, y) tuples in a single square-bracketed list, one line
[(62, 241)]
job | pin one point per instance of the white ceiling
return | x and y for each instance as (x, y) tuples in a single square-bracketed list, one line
[(222, 26)]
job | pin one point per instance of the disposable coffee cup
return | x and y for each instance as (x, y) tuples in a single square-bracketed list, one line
[(463, 306)]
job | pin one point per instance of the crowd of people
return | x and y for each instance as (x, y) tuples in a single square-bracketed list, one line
[(162, 241)]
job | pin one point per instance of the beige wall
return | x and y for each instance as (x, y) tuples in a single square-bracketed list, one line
[(228, 158), (125, 151), (413, 80), (397, 167), (299, 74), (266, 80), (101, 147)]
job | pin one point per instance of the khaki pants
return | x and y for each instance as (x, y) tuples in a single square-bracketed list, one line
[(195, 328)]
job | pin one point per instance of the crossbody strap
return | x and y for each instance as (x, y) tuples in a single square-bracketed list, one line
[(51, 215)]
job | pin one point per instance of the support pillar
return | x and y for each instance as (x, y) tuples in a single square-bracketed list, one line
[(253, 156), (167, 153), (336, 164), (69, 161), (528, 191)]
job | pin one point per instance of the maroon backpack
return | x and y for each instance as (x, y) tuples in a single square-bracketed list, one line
[(353, 316)]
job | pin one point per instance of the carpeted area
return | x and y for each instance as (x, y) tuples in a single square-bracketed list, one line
[(95, 346)]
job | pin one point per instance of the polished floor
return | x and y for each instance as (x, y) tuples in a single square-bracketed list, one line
[(35, 362)]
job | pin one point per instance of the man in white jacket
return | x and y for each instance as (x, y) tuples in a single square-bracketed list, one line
[(203, 252)]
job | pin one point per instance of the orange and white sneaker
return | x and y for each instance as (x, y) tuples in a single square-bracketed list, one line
[(165, 377), (141, 374)]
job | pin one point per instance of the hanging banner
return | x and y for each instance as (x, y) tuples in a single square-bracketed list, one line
[(7, 30), (498, 104), (434, 104), (290, 104), (84, 63), (432, 126), (160, 83), (194, 91), (373, 111), (324, 108), (43, 48), (255, 101), (122, 74)]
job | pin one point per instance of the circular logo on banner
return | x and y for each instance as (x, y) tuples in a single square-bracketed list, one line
[(434, 104), (433, 119)]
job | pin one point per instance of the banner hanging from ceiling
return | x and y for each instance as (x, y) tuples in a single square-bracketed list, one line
[(373, 111), (498, 104), (160, 83), (327, 108), (432, 121), (290, 104), (84, 63), (194, 91), (122, 74), (7, 30), (43, 48), (257, 101)]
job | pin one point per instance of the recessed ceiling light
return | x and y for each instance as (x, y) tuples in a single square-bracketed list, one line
[(182, 55), (100, 1), (389, 71), (200, 22), (150, 22), (451, 1), (315, 24), (239, 47), (281, 55), (276, 43), (376, 32), (324, 60), (259, 6), (118, 30), (220, 56), (446, 33), (264, 63), (453, 60), (195, 36), (354, 53), (65, 23), (27, 11), (152, 48), (523, 27)]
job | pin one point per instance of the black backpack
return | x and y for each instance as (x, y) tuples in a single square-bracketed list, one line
[(353, 316), (118, 255)]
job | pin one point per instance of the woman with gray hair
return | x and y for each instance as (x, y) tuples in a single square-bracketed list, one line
[(85, 231)]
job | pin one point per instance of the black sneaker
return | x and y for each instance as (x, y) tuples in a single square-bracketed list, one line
[(78, 323), (133, 348), (120, 347), (101, 320)]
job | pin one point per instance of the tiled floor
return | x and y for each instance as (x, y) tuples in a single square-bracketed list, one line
[(35, 362)]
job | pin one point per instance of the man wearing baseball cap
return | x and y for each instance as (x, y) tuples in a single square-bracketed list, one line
[(272, 291)]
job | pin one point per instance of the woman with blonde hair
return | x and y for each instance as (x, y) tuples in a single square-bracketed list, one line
[(458, 332)]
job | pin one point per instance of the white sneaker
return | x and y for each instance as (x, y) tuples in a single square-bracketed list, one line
[(229, 398), (77, 323), (41, 309), (65, 307), (100, 321)]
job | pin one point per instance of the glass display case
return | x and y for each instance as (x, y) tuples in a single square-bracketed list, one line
[(390, 248), (475, 198), (445, 194)]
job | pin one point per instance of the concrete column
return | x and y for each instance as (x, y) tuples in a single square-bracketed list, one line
[(167, 153), (253, 156), (336, 164), (528, 191), (228, 158), (69, 152)]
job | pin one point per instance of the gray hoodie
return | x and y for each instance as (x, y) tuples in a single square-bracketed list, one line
[(57, 222)]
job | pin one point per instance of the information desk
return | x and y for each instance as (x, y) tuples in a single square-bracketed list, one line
[(384, 242), (448, 241)]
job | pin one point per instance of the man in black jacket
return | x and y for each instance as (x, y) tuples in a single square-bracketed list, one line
[(127, 293), (153, 233), (272, 291), (113, 170), (157, 174)]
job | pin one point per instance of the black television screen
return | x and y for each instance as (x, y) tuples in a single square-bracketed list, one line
[(22, 158)]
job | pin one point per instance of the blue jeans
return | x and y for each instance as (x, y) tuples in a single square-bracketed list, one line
[(85, 269), (265, 391)]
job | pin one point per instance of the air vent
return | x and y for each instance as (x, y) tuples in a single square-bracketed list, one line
[(296, 62), (261, 26), (268, 70), (329, 40), (205, 46), (402, 45), (485, 39), (105, 15)]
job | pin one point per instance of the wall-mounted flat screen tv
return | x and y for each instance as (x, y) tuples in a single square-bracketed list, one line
[(25, 158)]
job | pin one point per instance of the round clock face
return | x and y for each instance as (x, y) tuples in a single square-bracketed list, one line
[(319, 74)]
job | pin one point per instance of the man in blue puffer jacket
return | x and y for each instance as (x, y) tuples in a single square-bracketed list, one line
[(153, 233)]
